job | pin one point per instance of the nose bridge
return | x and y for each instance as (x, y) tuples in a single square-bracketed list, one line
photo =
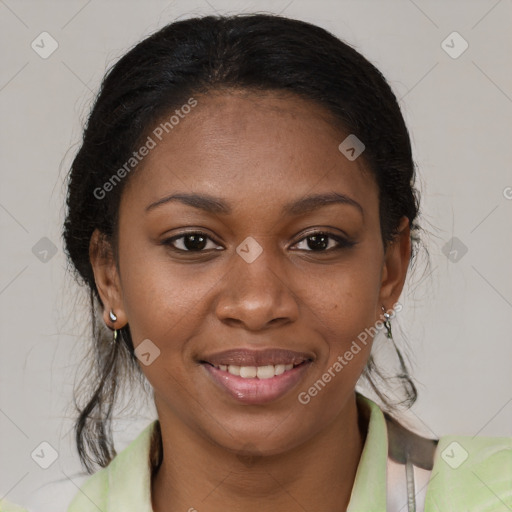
[(256, 291), (257, 272)]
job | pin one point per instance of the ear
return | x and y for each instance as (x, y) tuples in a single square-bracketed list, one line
[(107, 280), (396, 264)]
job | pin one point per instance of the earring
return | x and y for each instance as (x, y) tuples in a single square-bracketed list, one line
[(113, 317), (387, 323), (404, 375)]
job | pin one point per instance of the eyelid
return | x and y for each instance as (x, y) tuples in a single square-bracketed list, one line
[(169, 241), (342, 241)]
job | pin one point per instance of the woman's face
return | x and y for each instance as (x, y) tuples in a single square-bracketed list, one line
[(259, 279)]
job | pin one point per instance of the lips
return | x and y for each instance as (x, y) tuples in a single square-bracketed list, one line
[(253, 377), (266, 357)]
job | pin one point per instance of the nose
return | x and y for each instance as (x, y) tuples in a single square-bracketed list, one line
[(257, 295)]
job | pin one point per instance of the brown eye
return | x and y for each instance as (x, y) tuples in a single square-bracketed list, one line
[(318, 242), (324, 242), (191, 242)]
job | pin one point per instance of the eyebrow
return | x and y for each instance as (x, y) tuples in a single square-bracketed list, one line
[(217, 205)]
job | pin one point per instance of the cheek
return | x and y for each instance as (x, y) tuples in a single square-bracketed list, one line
[(344, 314), (343, 308), (344, 297), (162, 300)]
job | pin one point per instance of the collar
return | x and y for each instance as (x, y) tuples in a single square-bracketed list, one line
[(129, 474), (369, 489)]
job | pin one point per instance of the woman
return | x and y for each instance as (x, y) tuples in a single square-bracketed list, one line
[(243, 212)]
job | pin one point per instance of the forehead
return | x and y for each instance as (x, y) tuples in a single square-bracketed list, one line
[(250, 146)]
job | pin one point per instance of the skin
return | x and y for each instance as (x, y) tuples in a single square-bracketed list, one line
[(257, 153)]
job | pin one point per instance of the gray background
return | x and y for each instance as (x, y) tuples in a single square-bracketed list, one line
[(457, 312)]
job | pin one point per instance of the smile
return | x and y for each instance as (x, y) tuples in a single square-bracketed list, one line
[(256, 372), (256, 385)]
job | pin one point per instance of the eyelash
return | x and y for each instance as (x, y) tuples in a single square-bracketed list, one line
[(343, 243)]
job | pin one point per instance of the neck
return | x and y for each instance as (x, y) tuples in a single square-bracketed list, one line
[(317, 475)]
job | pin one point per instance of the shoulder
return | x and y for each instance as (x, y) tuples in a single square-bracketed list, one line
[(6, 506), (93, 494), (454, 472), (126, 478), (470, 471)]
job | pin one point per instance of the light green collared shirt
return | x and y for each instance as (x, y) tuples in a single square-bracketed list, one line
[(7, 506), (468, 474)]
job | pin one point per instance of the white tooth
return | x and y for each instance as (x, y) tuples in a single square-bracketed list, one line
[(234, 370), (279, 369), (265, 372), (261, 372), (248, 372)]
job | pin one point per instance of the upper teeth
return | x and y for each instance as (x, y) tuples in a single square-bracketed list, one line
[(261, 372)]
